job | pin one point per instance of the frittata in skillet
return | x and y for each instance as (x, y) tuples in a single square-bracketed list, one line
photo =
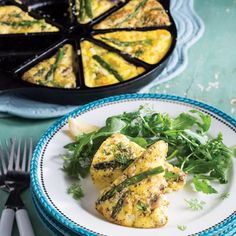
[(86, 10), (102, 67), (149, 46), (135, 198), (137, 13), (57, 71), (13, 21), (114, 155)]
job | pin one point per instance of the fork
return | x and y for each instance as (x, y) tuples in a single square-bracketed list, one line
[(16, 178)]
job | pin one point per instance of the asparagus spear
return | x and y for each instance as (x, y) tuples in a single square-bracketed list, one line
[(108, 67), (136, 10), (24, 23), (127, 43), (49, 75), (88, 8), (111, 164), (119, 205), (81, 10), (130, 181)]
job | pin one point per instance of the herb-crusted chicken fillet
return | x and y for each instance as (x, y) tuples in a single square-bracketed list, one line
[(136, 197), (113, 156)]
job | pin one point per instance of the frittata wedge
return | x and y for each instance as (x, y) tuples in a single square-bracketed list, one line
[(86, 10), (114, 155), (137, 13), (102, 67), (149, 46), (13, 20), (136, 197), (57, 71)]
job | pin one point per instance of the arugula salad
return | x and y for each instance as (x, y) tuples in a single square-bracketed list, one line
[(204, 158)]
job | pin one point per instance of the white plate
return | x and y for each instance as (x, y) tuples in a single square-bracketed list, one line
[(50, 183)]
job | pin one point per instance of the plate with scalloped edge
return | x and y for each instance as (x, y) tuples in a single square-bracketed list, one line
[(50, 183)]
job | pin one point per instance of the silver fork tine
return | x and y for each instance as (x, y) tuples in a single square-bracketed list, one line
[(4, 166), (23, 165), (17, 164), (30, 153), (10, 164)]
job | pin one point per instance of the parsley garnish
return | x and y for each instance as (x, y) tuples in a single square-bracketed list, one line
[(76, 191), (223, 196), (195, 204)]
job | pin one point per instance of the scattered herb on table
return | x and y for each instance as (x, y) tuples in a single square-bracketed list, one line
[(182, 227), (195, 204), (190, 148)]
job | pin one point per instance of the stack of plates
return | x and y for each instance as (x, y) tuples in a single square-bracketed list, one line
[(65, 216)]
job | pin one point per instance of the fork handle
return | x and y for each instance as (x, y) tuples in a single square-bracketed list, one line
[(23, 222), (6, 221)]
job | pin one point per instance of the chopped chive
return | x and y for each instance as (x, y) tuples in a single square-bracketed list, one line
[(108, 67)]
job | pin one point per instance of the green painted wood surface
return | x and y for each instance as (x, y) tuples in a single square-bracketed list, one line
[(209, 77)]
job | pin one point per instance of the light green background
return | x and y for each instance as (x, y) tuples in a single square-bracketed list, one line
[(209, 77)]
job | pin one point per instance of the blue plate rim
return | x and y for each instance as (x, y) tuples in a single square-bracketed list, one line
[(45, 138)]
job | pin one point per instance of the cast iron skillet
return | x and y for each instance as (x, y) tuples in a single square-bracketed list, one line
[(20, 52)]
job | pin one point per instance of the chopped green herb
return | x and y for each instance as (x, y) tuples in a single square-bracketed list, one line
[(223, 196), (40, 72), (76, 191), (171, 176), (195, 204), (108, 67), (15, 14), (142, 206), (139, 52), (182, 227)]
